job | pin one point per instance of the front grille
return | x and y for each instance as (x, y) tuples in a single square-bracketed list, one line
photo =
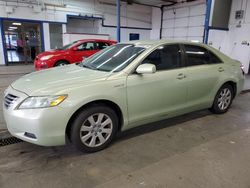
[(9, 140), (9, 100)]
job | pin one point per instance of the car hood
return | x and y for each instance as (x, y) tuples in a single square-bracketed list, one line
[(57, 80), (52, 52)]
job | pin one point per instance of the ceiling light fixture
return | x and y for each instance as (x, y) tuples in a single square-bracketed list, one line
[(15, 23)]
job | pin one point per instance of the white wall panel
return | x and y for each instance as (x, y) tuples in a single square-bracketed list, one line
[(182, 12), (197, 39), (168, 14), (155, 34), (230, 42), (197, 10), (181, 22), (168, 24), (195, 31), (180, 32), (168, 33), (196, 20), (247, 15), (156, 15)]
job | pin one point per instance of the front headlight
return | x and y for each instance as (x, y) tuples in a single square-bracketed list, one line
[(41, 102), (46, 57)]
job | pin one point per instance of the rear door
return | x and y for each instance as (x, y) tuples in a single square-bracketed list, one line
[(153, 96), (204, 70)]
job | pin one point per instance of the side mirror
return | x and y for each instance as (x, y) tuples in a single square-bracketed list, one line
[(146, 69)]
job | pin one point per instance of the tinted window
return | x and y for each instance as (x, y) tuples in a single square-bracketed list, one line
[(86, 46), (196, 55), (214, 59), (165, 57), (102, 45)]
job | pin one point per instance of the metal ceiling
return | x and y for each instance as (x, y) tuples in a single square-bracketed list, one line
[(157, 2)]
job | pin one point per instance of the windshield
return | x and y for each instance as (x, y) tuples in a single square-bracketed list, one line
[(68, 46), (114, 58)]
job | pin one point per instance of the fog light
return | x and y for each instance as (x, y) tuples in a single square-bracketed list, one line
[(44, 65), (30, 135)]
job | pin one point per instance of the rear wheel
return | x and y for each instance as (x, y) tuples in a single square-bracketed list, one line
[(61, 63), (94, 128), (223, 99)]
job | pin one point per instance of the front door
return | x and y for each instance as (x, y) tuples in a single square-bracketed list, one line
[(153, 96), (84, 50)]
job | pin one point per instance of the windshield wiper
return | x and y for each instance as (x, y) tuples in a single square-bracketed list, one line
[(87, 66)]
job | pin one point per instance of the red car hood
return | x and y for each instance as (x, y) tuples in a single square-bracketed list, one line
[(51, 52)]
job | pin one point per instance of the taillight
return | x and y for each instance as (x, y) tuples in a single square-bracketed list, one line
[(242, 68)]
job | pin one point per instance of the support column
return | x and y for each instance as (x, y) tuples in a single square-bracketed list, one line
[(118, 15), (46, 36), (207, 20)]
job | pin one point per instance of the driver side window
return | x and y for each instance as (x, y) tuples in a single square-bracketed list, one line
[(86, 46), (165, 57)]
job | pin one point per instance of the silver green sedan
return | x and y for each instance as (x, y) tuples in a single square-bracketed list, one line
[(123, 86)]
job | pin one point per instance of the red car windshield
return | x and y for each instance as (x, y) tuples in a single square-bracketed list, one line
[(68, 46)]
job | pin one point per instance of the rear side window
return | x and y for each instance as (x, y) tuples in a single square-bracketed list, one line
[(214, 59), (102, 45), (86, 46), (196, 55), (165, 57)]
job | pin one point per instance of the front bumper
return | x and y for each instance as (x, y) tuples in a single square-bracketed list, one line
[(41, 65), (48, 125)]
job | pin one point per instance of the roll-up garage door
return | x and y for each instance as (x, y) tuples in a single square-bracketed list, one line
[(184, 23)]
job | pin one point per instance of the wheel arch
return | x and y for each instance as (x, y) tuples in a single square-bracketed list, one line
[(61, 60), (104, 102), (233, 85)]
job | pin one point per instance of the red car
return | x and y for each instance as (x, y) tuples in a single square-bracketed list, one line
[(72, 53)]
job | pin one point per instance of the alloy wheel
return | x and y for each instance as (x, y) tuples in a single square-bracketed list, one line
[(96, 130), (224, 99)]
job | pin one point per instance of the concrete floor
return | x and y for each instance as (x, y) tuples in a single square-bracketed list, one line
[(196, 150)]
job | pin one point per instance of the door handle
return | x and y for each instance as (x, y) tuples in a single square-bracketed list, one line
[(220, 69), (181, 76)]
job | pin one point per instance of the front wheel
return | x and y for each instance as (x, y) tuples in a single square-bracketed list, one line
[(223, 99), (61, 63), (94, 128)]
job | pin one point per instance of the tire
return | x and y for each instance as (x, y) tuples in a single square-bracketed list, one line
[(94, 128), (61, 63), (223, 99)]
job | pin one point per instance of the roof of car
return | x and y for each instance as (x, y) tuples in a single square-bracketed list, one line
[(162, 41), (85, 40)]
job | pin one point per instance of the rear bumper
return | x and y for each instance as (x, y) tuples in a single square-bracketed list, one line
[(240, 85), (44, 127)]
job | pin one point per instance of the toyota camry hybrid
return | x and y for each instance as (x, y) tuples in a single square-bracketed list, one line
[(120, 87)]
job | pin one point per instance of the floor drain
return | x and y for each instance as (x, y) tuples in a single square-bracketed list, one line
[(9, 140)]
